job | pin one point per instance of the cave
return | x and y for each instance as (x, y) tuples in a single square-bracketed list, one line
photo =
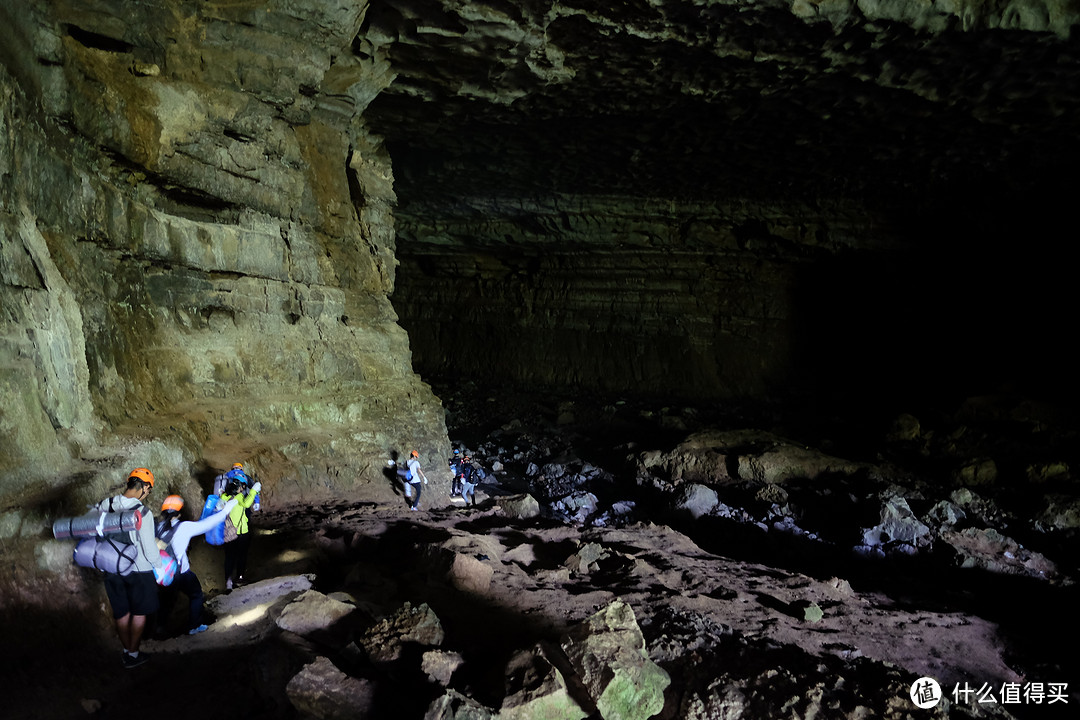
[(753, 315)]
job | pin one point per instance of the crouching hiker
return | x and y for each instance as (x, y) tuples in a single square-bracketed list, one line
[(134, 595), (176, 535)]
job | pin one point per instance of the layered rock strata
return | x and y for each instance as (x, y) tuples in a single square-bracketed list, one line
[(197, 251)]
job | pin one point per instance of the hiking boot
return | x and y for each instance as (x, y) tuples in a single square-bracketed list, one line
[(197, 630), (132, 661)]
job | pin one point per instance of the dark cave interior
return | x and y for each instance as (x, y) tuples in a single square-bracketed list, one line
[(754, 222)]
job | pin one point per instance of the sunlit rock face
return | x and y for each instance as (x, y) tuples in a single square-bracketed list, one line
[(197, 251), (204, 207)]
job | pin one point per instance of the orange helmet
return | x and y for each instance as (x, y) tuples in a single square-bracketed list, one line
[(142, 474), (414, 454), (238, 465), (173, 502)]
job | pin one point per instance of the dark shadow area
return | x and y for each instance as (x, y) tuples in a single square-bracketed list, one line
[(970, 306)]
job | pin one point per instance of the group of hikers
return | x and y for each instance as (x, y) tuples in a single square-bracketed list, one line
[(466, 475), (140, 593), (137, 595)]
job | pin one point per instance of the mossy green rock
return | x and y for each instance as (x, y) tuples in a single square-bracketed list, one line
[(608, 654)]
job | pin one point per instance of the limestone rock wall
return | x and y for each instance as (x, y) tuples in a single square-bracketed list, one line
[(618, 294), (705, 200), (196, 248)]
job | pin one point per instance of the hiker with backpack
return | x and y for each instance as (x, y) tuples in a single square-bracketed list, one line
[(468, 479), (455, 472), (176, 534), (238, 473), (237, 529), (413, 479), (134, 595)]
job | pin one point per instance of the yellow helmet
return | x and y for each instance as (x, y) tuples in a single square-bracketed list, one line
[(142, 474)]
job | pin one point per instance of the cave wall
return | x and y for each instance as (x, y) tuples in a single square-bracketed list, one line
[(619, 295), (857, 201), (196, 248), (839, 304), (203, 208)]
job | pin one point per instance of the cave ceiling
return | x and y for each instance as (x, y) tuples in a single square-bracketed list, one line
[(890, 104)]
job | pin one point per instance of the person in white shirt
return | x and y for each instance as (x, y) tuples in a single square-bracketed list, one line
[(413, 482), (134, 596), (176, 534)]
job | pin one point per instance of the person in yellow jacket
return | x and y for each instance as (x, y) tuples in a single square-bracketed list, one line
[(237, 530)]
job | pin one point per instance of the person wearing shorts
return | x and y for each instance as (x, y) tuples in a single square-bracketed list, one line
[(134, 596)]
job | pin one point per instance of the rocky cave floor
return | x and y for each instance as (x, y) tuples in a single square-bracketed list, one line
[(761, 605)]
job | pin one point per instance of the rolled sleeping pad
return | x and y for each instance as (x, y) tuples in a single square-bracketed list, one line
[(106, 555), (97, 523)]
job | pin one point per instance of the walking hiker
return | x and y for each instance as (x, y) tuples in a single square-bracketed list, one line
[(455, 473), (135, 595), (413, 480), (470, 476), (176, 534), (237, 530)]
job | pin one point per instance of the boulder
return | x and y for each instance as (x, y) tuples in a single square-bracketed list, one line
[(469, 574), (988, 549), (904, 428), (322, 691), (521, 507), (977, 472), (787, 461), (607, 652), (312, 612), (385, 640), (583, 561), (455, 706), (1060, 513), (535, 688), (898, 525), (696, 499), (944, 514), (575, 507), (247, 613), (440, 665)]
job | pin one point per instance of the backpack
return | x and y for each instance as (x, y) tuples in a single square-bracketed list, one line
[(215, 535), (170, 564), (164, 532), (229, 530)]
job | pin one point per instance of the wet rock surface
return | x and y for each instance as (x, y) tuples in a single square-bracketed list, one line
[(815, 594)]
